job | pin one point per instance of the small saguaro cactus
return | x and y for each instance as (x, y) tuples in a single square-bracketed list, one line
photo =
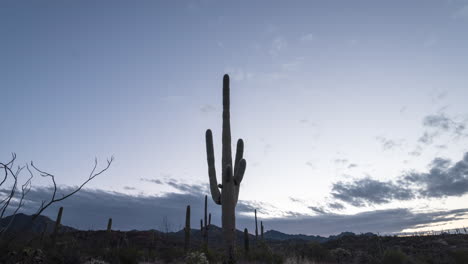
[(187, 229), (261, 229), (204, 228), (109, 225), (227, 193), (57, 225), (246, 241), (256, 226)]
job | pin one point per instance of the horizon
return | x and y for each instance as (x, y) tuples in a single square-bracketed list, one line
[(353, 115)]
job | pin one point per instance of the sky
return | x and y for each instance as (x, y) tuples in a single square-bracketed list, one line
[(353, 113)]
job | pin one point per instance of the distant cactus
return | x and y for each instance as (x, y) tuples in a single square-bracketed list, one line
[(187, 229), (109, 225), (256, 226), (246, 241), (204, 228), (57, 225), (232, 174)]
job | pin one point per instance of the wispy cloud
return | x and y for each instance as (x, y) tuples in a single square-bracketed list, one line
[(278, 44), (389, 144)]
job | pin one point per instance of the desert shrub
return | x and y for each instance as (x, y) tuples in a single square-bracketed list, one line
[(393, 256), (340, 255), (363, 257), (128, 256), (196, 258), (315, 251), (169, 254), (262, 253)]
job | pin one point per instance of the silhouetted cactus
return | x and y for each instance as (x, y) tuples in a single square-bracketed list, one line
[(187, 229), (256, 226), (57, 225), (205, 228), (231, 179), (246, 241), (109, 225), (261, 229)]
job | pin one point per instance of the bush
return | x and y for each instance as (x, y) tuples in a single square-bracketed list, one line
[(394, 257), (315, 251), (340, 255), (196, 258)]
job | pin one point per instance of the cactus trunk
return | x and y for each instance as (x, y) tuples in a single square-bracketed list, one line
[(232, 175), (256, 226), (261, 229), (109, 225), (205, 228), (246, 241), (57, 225), (187, 229)]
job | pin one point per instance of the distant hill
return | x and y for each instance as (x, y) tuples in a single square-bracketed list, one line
[(24, 223), (276, 235)]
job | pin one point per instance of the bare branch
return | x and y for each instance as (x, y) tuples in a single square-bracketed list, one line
[(53, 200)]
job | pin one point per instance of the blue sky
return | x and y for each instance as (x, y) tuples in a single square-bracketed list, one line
[(334, 100)]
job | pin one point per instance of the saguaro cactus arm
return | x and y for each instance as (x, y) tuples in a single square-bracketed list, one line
[(239, 154), (215, 193), (239, 172), (226, 137)]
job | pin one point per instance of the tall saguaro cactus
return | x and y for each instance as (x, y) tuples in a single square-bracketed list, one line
[(187, 229), (227, 193)]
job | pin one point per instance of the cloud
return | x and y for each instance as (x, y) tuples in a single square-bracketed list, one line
[(151, 180), (128, 188), (91, 208), (368, 191), (428, 138), (388, 144), (352, 165), (278, 44), (318, 209), (442, 123), (443, 179), (383, 221), (336, 206)]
